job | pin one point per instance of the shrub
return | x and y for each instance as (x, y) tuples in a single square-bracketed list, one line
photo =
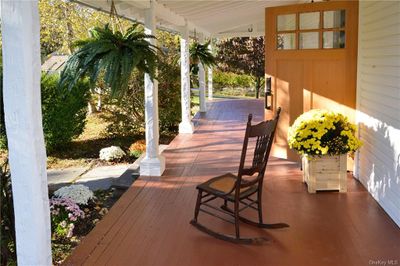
[(320, 132), (137, 148), (126, 115), (231, 80), (80, 194), (3, 138), (64, 112), (113, 153), (7, 222), (169, 90)]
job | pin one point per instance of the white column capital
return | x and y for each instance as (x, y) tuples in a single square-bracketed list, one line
[(184, 30)]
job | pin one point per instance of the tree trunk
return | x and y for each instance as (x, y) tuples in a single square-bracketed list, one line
[(91, 108), (70, 30), (99, 100), (258, 85)]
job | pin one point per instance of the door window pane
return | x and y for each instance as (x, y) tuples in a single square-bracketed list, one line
[(334, 39), (309, 21), (286, 41), (334, 19), (286, 22), (309, 40)]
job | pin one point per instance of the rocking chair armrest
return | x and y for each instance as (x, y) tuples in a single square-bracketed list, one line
[(249, 171), (251, 182)]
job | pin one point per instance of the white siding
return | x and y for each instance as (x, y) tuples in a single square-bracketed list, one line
[(378, 102)]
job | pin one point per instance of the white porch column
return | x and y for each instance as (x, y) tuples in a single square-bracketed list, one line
[(23, 117), (202, 86), (153, 164), (186, 126), (210, 77)]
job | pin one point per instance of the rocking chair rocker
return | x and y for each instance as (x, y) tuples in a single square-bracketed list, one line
[(239, 191)]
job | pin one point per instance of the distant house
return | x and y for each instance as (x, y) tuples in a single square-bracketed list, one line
[(54, 63)]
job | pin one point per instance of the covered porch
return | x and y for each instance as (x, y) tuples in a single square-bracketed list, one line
[(149, 225)]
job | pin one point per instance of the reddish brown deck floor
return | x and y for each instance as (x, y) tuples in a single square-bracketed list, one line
[(149, 225)]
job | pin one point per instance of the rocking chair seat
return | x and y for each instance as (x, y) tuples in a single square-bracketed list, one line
[(225, 183)]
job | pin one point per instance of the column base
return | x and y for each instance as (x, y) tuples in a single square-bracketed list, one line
[(203, 106), (152, 166), (186, 128)]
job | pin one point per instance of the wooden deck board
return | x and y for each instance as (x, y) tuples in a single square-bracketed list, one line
[(149, 225)]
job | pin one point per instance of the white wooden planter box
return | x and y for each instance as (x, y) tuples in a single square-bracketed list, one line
[(325, 172)]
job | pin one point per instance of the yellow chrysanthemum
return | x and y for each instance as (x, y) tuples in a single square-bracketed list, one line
[(320, 132)]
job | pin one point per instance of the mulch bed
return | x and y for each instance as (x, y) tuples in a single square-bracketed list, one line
[(94, 212)]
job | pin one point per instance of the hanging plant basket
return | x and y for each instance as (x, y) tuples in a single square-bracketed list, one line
[(199, 53), (112, 55)]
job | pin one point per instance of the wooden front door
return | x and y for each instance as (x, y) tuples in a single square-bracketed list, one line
[(311, 58)]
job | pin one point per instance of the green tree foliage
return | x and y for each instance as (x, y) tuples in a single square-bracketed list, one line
[(127, 113), (243, 55), (7, 222), (64, 112), (3, 138), (114, 53), (231, 80), (63, 22)]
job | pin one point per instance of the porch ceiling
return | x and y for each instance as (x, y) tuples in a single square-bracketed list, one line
[(215, 18)]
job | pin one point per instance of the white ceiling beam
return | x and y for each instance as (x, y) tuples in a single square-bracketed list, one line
[(213, 17), (193, 26), (136, 14), (141, 4), (167, 15), (254, 25), (239, 34), (195, 10), (182, 6), (122, 6), (223, 10), (235, 21)]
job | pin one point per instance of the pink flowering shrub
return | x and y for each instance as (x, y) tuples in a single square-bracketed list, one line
[(64, 214)]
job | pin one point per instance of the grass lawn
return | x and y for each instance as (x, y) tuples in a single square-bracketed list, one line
[(85, 149), (227, 93)]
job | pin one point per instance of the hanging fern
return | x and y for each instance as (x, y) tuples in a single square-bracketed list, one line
[(114, 55), (199, 53)]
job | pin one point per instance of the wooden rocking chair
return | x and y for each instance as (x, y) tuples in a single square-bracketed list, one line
[(239, 191)]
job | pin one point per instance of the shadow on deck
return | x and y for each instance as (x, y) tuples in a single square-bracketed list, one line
[(149, 225)]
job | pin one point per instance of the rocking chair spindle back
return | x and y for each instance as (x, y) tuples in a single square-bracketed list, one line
[(236, 189)]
